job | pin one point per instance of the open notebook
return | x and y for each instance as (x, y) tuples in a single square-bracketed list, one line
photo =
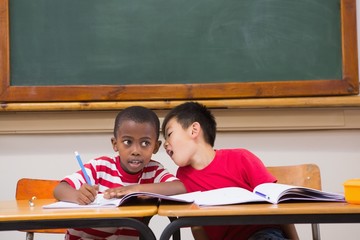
[(101, 202), (266, 192)]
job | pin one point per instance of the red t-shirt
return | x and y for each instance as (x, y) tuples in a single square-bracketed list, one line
[(229, 168)]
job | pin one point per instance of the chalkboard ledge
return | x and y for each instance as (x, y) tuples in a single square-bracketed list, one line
[(258, 103)]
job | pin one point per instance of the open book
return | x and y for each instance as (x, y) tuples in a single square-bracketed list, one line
[(101, 202), (266, 192)]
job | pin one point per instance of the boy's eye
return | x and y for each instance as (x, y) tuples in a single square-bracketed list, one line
[(145, 143), (169, 134), (127, 142)]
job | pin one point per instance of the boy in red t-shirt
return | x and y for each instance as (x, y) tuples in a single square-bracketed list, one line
[(189, 131)]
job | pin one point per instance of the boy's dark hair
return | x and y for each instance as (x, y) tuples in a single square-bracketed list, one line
[(138, 114), (190, 112)]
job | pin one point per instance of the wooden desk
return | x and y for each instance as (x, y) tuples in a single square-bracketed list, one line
[(18, 215), (310, 212)]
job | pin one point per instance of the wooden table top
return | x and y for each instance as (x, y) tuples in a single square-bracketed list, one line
[(191, 210), (19, 210)]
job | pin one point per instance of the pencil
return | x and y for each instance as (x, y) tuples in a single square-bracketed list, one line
[(87, 179)]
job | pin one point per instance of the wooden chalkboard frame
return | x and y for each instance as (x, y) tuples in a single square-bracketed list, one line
[(348, 85)]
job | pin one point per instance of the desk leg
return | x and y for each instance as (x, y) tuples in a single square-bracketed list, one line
[(146, 221), (315, 231), (177, 223), (175, 226), (176, 234), (144, 230)]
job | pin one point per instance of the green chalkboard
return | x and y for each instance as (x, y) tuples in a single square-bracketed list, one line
[(174, 42)]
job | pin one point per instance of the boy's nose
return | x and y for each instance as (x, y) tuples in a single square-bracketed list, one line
[(135, 153), (166, 144), (135, 150)]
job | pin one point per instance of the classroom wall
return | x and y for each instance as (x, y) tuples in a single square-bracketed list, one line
[(41, 145), (51, 156)]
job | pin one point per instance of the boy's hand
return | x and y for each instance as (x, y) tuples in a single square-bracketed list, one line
[(86, 194), (121, 191)]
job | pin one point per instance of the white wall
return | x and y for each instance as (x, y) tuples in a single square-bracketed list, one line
[(51, 156)]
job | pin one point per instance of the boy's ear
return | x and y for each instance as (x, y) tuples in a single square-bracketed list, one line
[(157, 146), (113, 142), (195, 129)]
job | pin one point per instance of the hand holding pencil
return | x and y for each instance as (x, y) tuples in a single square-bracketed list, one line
[(87, 191)]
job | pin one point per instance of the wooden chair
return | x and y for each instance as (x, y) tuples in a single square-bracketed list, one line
[(306, 175), (27, 189)]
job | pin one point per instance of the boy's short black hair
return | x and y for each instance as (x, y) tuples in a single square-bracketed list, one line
[(138, 114), (190, 112)]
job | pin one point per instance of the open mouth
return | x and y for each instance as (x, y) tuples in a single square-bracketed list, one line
[(169, 152), (135, 162)]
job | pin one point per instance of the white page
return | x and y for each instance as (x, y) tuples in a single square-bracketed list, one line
[(100, 202), (276, 192), (225, 196)]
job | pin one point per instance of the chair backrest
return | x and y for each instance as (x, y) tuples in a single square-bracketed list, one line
[(306, 175), (40, 188), (27, 188)]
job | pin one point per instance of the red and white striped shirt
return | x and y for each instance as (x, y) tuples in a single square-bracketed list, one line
[(107, 173)]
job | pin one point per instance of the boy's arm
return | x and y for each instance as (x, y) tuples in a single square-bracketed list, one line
[(290, 231), (85, 195), (164, 188)]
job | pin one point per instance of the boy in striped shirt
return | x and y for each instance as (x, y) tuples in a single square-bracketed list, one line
[(136, 138)]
